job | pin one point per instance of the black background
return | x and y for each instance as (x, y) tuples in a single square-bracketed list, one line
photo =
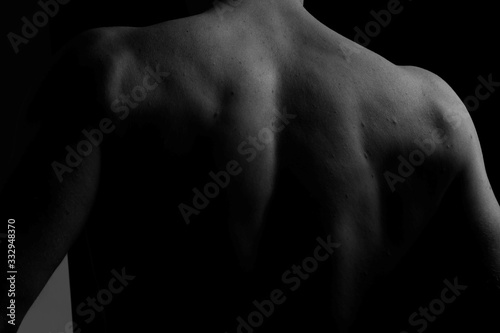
[(457, 41)]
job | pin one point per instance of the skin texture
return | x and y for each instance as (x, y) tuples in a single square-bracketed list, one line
[(352, 114)]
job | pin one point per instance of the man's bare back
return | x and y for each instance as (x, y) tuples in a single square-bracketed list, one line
[(372, 148)]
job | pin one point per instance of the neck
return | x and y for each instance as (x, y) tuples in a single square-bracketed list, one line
[(262, 5), (271, 3), (235, 2)]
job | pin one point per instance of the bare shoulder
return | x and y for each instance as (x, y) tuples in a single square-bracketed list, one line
[(87, 63), (79, 71), (450, 116), (96, 48), (125, 63), (436, 89), (156, 72)]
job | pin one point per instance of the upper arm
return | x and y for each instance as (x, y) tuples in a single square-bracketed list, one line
[(461, 149), (50, 198), (479, 204)]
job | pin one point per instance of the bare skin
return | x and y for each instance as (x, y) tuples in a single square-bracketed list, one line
[(351, 113)]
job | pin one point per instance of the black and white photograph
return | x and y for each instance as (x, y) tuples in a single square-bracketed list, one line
[(250, 166)]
